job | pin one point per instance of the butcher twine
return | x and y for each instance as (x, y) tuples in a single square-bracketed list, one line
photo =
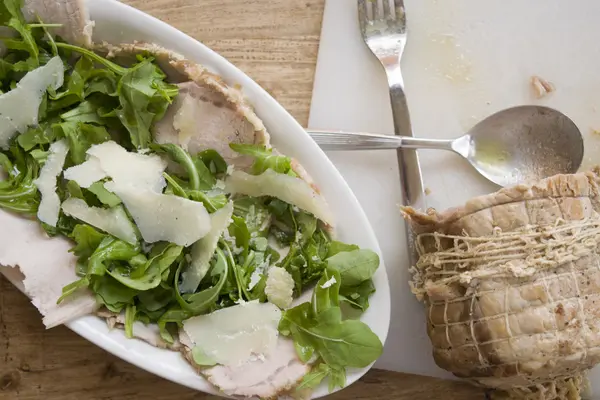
[(526, 257)]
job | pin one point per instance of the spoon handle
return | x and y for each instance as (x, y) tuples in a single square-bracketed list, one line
[(337, 140)]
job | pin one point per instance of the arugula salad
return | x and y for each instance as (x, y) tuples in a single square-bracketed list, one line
[(162, 235)]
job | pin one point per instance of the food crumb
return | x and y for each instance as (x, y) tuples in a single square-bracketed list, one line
[(427, 191), (541, 87), (595, 132)]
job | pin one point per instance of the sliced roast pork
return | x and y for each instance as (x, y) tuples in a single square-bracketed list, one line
[(201, 118), (265, 378), (253, 360), (47, 266), (512, 286), (72, 14)]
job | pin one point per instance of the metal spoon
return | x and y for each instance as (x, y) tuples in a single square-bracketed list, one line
[(520, 144)]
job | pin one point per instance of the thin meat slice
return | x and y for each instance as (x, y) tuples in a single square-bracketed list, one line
[(264, 378), (259, 377), (47, 266), (202, 118), (72, 14)]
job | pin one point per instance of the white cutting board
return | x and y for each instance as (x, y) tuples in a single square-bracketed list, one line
[(465, 59)]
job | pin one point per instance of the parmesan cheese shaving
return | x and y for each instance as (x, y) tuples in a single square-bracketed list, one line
[(204, 249), (113, 221), (46, 183), (279, 287), (233, 335), (288, 188), (87, 173), (329, 283), (185, 122), (130, 169), (161, 217), (19, 107)]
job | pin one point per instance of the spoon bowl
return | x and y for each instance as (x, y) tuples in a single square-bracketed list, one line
[(523, 144), (515, 145)]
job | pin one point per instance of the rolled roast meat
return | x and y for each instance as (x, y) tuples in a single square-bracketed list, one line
[(511, 284)]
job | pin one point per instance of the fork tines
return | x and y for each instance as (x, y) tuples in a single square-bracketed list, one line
[(381, 9)]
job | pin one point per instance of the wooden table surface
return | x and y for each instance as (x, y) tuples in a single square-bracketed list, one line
[(275, 42)]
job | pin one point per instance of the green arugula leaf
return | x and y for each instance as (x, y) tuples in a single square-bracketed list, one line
[(174, 186), (72, 288), (142, 103), (326, 293), (104, 196), (258, 291), (183, 158), (111, 66), (301, 315), (43, 134), (155, 299), (240, 232), (254, 212), (339, 247), (318, 325), (201, 358), (150, 275), (306, 226), (18, 193), (314, 378), (17, 22), (305, 349), (354, 266), (102, 82), (212, 202), (4, 13), (205, 175), (348, 344), (86, 111), (199, 303), (263, 158), (75, 85), (112, 294), (80, 137), (174, 315), (212, 160), (110, 249), (358, 296), (337, 378), (130, 312), (5, 69), (87, 240)]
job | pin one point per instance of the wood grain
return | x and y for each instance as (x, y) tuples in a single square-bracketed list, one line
[(276, 43)]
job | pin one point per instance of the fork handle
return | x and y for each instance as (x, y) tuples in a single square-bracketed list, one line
[(338, 140), (410, 169)]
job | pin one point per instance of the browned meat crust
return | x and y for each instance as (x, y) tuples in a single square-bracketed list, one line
[(511, 282)]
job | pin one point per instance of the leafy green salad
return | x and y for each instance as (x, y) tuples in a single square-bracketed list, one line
[(257, 248)]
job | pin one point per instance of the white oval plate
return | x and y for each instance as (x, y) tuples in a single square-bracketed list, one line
[(119, 23)]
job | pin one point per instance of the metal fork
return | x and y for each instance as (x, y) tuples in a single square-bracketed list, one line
[(383, 27)]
